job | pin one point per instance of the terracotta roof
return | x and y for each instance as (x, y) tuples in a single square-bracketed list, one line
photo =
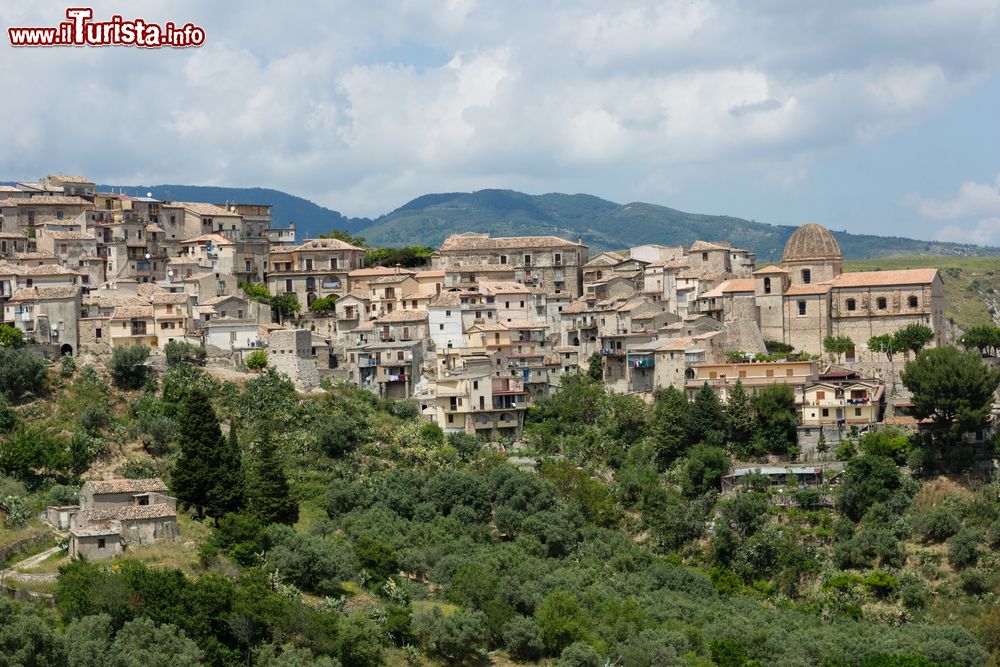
[(702, 246), (123, 312), (374, 271), (575, 307), (811, 242), (738, 285), (356, 295), (130, 512), (44, 200), (603, 259), (476, 241), (391, 280), (319, 244), (564, 349), (202, 209), (147, 290), (415, 315), (885, 278), (219, 299), (447, 300), (526, 324), (806, 290), (498, 326), (502, 287), (48, 270), (105, 300), (70, 236), (429, 274), (71, 179), (33, 255), (43, 293), (127, 485), (770, 269), (217, 239), (164, 298)]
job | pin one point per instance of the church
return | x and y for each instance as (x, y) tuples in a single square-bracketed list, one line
[(809, 297)]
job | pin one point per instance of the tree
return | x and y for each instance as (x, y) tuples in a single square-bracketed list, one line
[(128, 366), (740, 422), (868, 479), (706, 421), (777, 417), (561, 620), (669, 427), (271, 500), (595, 367), (256, 292), (953, 388), (345, 236), (285, 305), (890, 442), (323, 304), (704, 469), (10, 336), (199, 471), (838, 345), (913, 337), (523, 639), (21, 372), (257, 360), (884, 344), (579, 654), (141, 643), (180, 352), (228, 494), (983, 337)]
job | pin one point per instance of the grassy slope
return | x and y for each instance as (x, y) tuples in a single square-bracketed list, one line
[(971, 284)]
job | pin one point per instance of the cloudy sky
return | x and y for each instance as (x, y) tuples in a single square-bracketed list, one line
[(867, 116)]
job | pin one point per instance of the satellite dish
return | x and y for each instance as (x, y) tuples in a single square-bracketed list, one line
[(149, 194), (147, 255), (170, 272)]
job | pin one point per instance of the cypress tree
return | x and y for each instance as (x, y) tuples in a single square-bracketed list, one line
[(670, 417), (739, 418), (706, 421), (229, 492), (270, 498), (205, 476)]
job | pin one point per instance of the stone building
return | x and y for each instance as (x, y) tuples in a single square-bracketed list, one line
[(316, 269), (546, 262), (290, 351)]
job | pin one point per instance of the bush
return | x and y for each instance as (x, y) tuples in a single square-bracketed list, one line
[(21, 372), (257, 360), (458, 638), (67, 366), (963, 548), (179, 352), (704, 469), (128, 366), (10, 336), (579, 654), (523, 639), (938, 524), (880, 584), (8, 417), (974, 582), (993, 534)]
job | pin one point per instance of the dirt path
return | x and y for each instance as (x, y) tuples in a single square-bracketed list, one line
[(14, 573)]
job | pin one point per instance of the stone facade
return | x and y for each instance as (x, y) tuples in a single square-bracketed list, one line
[(290, 352)]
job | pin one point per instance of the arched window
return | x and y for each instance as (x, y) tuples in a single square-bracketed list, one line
[(767, 285), (852, 304), (806, 276), (912, 301), (881, 303)]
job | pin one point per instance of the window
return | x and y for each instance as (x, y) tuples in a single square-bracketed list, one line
[(558, 258), (788, 372), (503, 259), (820, 395), (912, 301), (711, 375), (770, 372), (704, 256), (826, 412), (852, 304), (806, 276), (857, 412), (333, 262), (309, 265), (288, 284), (98, 333), (802, 307), (767, 285), (451, 419), (881, 303), (475, 384), (743, 374), (527, 260), (101, 544)]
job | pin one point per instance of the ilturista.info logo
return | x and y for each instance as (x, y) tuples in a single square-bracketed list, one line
[(80, 29)]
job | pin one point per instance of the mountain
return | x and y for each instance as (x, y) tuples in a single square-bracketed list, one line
[(605, 225), (601, 224), (311, 219)]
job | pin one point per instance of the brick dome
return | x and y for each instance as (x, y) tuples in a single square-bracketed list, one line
[(811, 242)]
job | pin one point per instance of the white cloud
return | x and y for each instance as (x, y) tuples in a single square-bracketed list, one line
[(974, 213), (624, 99)]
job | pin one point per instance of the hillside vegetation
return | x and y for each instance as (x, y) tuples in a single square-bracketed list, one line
[(601, 224), (404, 546), (971, 284)]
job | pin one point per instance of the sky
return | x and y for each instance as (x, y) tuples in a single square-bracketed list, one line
[(875, 117)]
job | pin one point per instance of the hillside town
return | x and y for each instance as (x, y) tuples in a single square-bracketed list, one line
[(479, 334)]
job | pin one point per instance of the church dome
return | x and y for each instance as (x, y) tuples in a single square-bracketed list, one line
[(811, 242)]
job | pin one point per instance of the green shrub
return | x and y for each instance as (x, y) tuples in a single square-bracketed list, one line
[(180, 352), (974, 581), (579, 654), (938, 524), (880, 584), (963, 548), (257, 360), (128, 366)]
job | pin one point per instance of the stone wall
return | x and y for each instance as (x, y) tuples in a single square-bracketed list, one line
[(289, 351)]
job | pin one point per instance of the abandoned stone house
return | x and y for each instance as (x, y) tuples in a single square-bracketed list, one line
[(115, 514)]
